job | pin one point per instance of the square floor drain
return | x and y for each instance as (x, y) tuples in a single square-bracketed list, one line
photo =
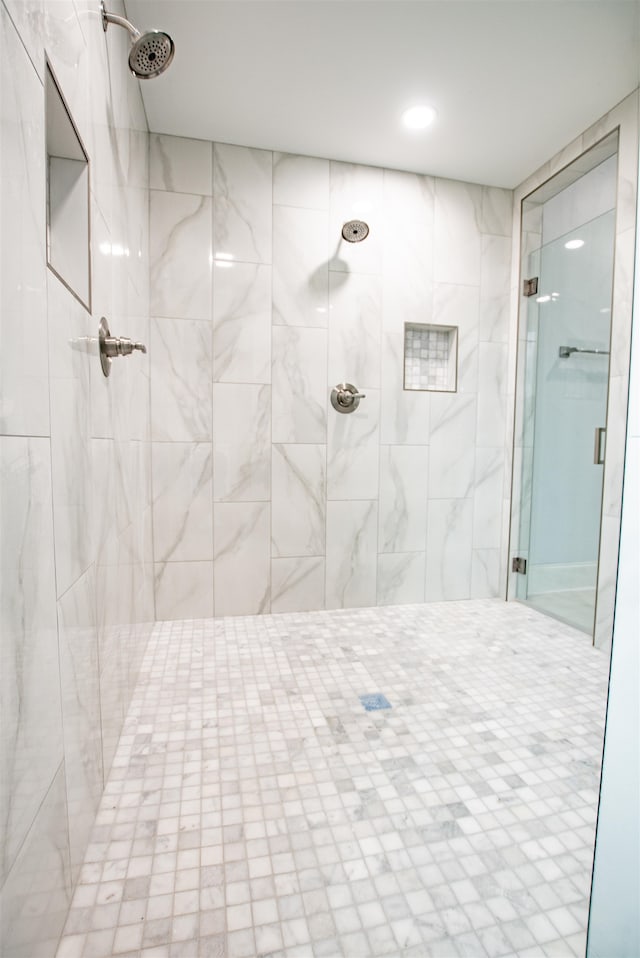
[(374, 702)]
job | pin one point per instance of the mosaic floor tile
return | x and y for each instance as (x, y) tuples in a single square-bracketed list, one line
[(256, 808)]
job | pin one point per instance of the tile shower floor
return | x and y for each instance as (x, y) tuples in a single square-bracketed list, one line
[(257, 808)]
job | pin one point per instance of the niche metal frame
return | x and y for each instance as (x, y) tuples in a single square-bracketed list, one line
[(49, 72)]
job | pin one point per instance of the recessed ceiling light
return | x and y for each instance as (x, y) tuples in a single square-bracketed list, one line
[(574, 244), (418, 117)]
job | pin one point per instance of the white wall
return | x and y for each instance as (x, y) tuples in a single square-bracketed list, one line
[(77, 597), (265, 498), (614, 920)]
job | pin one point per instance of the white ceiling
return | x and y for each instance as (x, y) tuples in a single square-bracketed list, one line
[(513, 80)]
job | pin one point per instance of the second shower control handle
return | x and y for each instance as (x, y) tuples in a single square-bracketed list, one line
[(346, 398)]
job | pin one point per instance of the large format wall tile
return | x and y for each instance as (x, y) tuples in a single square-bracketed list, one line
[(242, 557), (80, 687), (291, 321), (179, 165), (355, 330), (180, 380), (242, 194), (449, 531), (403, 498), (241, 322), (241, 447), (180, 250), (182, 472), (452, 446), (298, 500), (301, 181), (458, 245), (400, 578), (36, 896), (24, 395), (300, 268), (32, 747), (299, 384), (356, 192), (184, 590), (297, 584), (353, 450), (351, 554)]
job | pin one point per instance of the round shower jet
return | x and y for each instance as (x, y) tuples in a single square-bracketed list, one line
[(355, 231), (151, 52)]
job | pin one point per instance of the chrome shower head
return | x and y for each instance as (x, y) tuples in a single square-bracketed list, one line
[(151, 52), (355, 231)]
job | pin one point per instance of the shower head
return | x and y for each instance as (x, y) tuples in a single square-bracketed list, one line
[(151, 52), (355, 231)]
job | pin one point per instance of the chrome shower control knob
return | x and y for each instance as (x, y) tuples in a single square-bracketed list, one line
[(345, 397)]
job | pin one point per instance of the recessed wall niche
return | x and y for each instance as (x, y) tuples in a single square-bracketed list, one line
[(430, 357), (67, 196)]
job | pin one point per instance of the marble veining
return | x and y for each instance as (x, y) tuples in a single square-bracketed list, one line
[(298, 500)]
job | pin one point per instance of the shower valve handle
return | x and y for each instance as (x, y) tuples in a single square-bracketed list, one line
[(346, 398), (121, 346)]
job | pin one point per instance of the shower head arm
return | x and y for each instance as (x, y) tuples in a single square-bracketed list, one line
[(108, 18)]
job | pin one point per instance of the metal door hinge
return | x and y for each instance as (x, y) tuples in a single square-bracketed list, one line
[(530, 286), (519, 565)]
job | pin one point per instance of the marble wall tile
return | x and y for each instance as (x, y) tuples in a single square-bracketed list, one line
[(485, 573), (300, 268), (494, 289), (355, 330), (71, 358), (298, 500), (351, 554), (356, 192), (184, 590), (242, 190), (180, 165), (401, 578), (32, 747), (182, 473), (180, 253), (24, 398), (449, 534), (457, 244), (80, 690), (488, 497), (36, 896), (299, 378), (241, 442), (242, 560), (403, 499), (452, 446), (301, 181), (180, 360), (353, 450), (408, 247), (404, 414), (492, 394), (297, 584), (241, 322), (455, 305), (496, 216)]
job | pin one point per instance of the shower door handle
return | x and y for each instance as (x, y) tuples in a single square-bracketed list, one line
[(598, 451)]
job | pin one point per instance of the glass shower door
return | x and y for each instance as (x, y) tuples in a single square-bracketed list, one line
[(566, 382)]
